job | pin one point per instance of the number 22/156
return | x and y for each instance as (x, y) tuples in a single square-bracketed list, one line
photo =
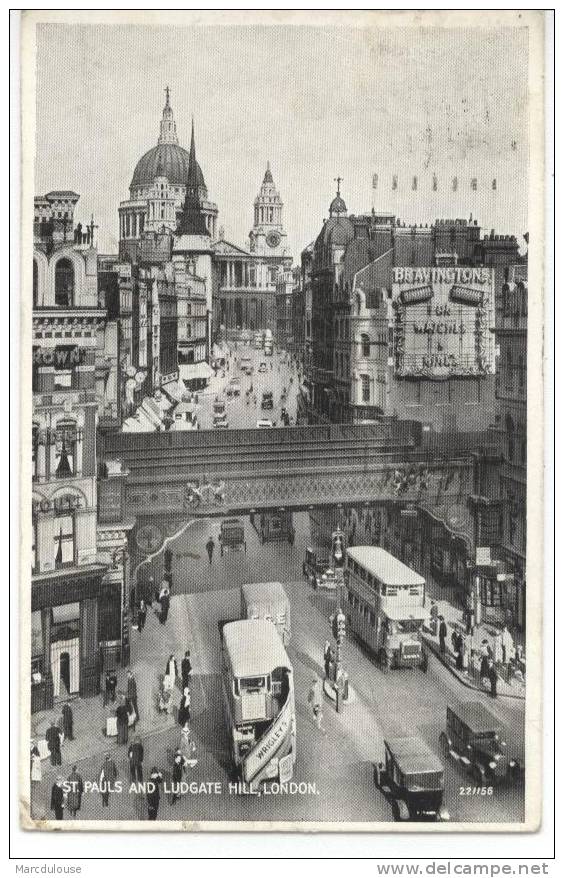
[(476, 791)]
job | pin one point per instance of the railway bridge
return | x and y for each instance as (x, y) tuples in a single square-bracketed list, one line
[(164, 479)]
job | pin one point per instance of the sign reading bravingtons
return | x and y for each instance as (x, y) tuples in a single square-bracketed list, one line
[(444, 321)]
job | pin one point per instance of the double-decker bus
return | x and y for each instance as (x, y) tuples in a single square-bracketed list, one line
[(258, 693), (385, 606)]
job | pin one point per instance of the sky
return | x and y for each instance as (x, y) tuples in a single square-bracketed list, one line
[(316, 102)]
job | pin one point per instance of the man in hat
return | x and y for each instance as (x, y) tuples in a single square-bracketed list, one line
[(58, 798), (53, 738), (108, 776), (135, 755), (132, 692), (68, 722), (442, 634), (74, 795)]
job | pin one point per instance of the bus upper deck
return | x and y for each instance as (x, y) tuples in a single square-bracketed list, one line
[(267, 600), (258, 689)]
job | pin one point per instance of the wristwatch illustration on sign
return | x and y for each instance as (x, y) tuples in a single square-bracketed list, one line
[(273, 239)]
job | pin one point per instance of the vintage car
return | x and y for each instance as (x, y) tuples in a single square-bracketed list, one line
[(318, 570), (264, 422), (234, 387), (477, 741), (219, 415), (232, 535), (267, 400), (412, 779)]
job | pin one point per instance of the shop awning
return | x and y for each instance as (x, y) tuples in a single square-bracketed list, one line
[(66, 613), (196, 372), (174, 390)]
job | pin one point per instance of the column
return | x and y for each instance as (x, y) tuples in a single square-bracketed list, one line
[(89, 668), (40, 456)]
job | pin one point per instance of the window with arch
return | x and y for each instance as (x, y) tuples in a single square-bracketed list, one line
[(66, 440), (365, 387), (64, 283), (510, 430), (35, 284), (64, 540), (365, 345), (522, 371), (509, 371)]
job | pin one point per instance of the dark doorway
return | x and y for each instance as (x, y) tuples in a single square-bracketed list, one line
[(65, 670)]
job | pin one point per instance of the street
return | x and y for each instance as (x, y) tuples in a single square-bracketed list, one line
[(336, 768), (240, 413)]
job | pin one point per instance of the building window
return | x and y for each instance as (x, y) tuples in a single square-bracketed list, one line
[(66, 436), (509, 372), (510, 430), (365, 342), (365, 385), (521, 369), (64, 540), (34, 544), (64, 283), (492, 593), (35, 284)]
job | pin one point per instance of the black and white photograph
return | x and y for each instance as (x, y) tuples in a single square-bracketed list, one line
[(281, 396)]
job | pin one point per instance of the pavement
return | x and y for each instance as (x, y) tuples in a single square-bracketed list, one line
[(335, 767)]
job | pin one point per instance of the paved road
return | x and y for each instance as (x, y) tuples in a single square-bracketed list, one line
[(241, 415), (338, 766)]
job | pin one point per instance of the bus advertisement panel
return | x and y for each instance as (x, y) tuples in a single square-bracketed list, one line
[(258, 692)]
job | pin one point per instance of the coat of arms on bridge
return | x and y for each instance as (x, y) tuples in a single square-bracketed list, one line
[(202, 492)]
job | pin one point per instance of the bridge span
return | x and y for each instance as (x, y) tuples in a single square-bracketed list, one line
[(175, 476)]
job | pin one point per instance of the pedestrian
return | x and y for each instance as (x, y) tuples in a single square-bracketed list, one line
[(132, 693), (135, 755), (58, 798), (186, 746), (122, 722), (171, 672), (315, 698), (141, 615), (459, 651), (210, 546), (492, 676), (53, 738), (178, 767), (507, 648), (184, 710), (470, 621), (35, 763), (327, 657), (68, 722), (110, 687), (164, 598), (186, 669), (442, 634), (108, 776), (75, 791), (154, 793)]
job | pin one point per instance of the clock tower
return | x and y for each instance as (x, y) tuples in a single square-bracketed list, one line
[(267, 237)]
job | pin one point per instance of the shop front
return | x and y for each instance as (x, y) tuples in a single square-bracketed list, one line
[(64, 635)]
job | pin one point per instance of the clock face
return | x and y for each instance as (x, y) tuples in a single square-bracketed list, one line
[(273, 239), (149, 538)]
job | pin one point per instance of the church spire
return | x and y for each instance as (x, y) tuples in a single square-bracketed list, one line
[(168, 125)]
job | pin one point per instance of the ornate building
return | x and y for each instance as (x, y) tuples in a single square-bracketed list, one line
[(511, 400), (77, 594), (246, 279), (161, 179)]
